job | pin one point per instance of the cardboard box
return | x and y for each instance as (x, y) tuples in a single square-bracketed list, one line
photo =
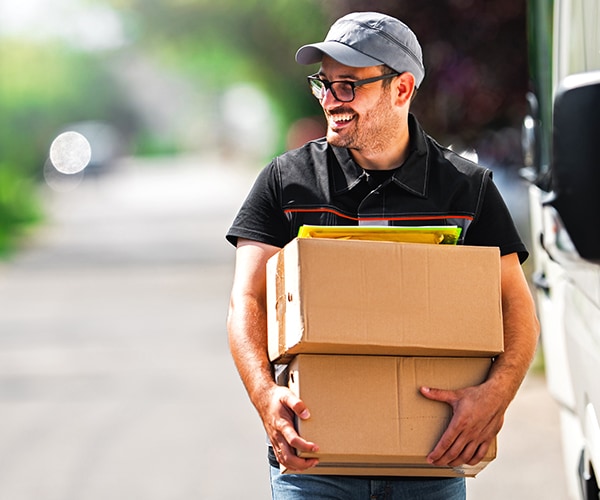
[(368, 416), (377, 297)]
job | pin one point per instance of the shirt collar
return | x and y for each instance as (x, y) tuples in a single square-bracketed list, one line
[(412, 176)]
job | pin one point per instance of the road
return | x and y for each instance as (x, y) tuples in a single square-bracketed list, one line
[(115, 378)]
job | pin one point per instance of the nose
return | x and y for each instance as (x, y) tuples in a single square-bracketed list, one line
[(329, 100)]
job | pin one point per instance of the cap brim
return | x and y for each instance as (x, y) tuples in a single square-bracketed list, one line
[(313, 53)]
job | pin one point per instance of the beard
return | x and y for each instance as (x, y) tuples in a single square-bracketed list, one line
[(370, 132)]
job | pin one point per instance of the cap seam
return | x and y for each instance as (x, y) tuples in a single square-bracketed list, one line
[(382, 33), (357, 50)]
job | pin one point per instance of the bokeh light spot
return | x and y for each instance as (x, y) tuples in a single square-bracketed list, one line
[(70, 152)]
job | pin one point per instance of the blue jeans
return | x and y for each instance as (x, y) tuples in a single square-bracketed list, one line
[(314, 487)]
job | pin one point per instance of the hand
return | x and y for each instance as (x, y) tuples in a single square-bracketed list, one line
[(279, 423), (478, 415)]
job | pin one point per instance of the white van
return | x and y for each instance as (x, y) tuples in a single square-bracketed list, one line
[(561, 142)]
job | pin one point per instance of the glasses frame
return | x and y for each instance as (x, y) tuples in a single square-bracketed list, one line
[(320, 89)]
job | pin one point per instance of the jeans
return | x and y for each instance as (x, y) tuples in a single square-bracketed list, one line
[(314, 487)]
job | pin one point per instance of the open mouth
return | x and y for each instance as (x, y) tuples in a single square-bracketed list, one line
[(340, 119)]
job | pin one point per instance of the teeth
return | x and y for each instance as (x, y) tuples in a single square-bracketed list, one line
[(342, 118)]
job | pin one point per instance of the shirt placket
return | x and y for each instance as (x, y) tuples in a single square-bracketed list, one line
[(372, 209)]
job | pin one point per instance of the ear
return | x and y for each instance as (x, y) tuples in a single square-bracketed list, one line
[(404, 86)]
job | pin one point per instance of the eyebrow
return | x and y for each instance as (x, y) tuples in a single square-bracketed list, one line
[(339, 77)]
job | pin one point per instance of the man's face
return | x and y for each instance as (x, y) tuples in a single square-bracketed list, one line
[(370, 121)]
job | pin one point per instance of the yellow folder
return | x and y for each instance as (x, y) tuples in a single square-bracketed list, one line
[(440, 235)]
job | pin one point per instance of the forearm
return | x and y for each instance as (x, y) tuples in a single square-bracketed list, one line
[(247, 333), (276, 406), (510, 368), (521, 332)]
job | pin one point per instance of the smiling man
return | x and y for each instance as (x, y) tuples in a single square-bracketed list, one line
[(376, 165), (372, 126)]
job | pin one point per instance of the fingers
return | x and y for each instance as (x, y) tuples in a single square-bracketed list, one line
[(291, 401), (471, 430), (287, 457), (458, 454), (286, 450), (447, 449), (283, 435), (480, 453)]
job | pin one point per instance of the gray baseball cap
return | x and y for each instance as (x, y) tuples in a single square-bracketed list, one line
[(364, 39)]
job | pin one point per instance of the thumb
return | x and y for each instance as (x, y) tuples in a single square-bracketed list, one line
[(297, 406), (439, 395)]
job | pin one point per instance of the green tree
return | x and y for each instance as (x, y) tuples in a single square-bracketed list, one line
[(219, 43)]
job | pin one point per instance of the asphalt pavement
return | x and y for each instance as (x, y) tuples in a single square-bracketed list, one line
[(115, 378)]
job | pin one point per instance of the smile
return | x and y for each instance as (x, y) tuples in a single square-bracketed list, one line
[(341, 119)]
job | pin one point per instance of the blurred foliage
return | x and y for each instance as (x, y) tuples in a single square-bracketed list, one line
[(474, 50), (42, 88), (475, 55), (220, 43), (18, 206)]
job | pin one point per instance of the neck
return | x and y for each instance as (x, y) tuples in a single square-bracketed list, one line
[(383, 159)]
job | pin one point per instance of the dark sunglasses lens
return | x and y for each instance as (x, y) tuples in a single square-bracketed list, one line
[(342, 91)]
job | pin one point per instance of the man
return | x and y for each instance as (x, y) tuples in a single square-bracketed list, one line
[(375, 166)]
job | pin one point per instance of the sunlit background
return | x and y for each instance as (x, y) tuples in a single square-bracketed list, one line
[(152, 77), (149, 78), (130, 131)]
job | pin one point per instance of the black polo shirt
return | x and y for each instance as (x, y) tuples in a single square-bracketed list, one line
[(320, 184)]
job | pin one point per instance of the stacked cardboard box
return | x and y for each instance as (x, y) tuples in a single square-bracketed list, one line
[(363, 325)]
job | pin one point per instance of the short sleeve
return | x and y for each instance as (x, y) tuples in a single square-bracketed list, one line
[(261, 217), (494, 225)]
